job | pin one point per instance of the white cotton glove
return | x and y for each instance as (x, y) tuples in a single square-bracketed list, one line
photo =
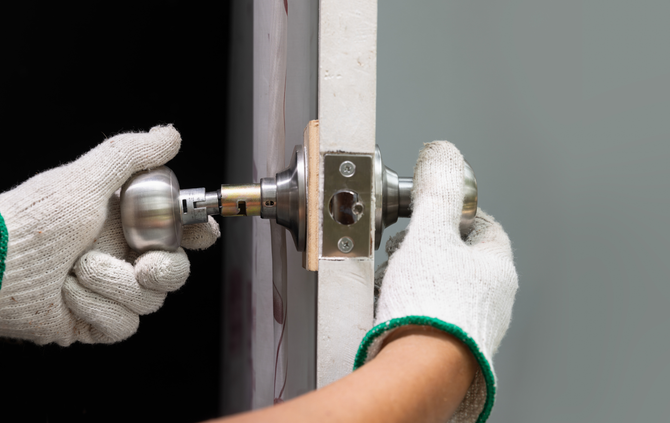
[(465, 288), (69, 274)]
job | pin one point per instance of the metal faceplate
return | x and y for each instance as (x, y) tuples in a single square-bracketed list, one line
[(350, 174)]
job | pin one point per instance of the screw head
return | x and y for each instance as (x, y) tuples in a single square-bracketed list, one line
[(347, 169), (345, 244)]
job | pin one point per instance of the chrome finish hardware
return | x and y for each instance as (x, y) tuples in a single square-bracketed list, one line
[(469, 200), (393, 195), (150, 210), (345, 244), (268, 198), (191, 207), (292, 198), (347, 168), (153, 208), (346, 197)]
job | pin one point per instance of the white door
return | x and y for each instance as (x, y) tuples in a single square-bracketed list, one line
[(288, 330), (347, 104)]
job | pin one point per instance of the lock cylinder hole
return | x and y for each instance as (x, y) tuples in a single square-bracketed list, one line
[(345, 208)]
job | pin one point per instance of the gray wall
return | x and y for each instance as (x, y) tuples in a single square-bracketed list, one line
[(563, 110)]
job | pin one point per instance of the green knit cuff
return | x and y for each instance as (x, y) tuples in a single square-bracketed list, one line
[(4, 236), (375, 332)]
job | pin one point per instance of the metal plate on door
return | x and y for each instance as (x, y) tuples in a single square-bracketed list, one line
[(347, 206)]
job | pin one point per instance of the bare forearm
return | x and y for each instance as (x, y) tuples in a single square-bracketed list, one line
[(421, 374)]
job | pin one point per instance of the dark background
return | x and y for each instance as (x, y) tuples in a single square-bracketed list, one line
[(73, 75)]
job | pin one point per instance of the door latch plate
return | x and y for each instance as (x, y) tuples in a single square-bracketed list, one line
[(350, 174)]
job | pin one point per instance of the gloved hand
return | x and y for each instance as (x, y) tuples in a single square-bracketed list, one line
[(69, 274), (434, 278)]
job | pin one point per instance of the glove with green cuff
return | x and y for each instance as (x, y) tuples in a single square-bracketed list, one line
[(435, 278), (69, 274)]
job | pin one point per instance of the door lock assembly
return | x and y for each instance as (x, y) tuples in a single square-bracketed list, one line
[(154, 208)]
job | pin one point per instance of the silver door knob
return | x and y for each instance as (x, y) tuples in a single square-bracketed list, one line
[(394, 195), (154, 209), (150, 212)]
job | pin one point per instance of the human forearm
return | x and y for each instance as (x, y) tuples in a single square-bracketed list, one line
[(421, 374)]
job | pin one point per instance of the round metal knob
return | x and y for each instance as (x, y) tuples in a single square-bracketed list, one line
[(150, 213), (470, 198), (393, 197)]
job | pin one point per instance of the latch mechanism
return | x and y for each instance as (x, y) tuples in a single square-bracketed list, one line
[(153, 208), (347, 205)]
